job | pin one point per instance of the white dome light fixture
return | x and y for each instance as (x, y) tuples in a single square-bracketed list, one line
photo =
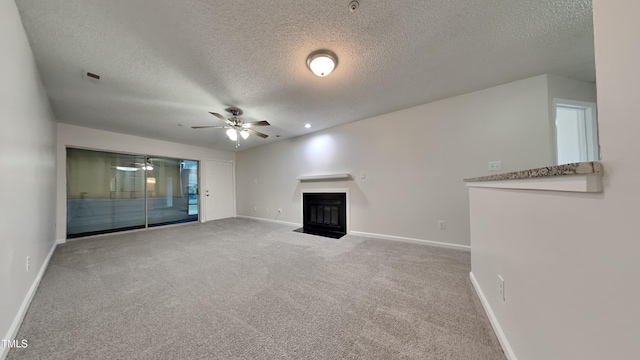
[(322, 62), (244, 134)]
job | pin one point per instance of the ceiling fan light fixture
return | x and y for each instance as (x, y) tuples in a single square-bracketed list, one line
[(232, 134), (236, 127), (322, 62)]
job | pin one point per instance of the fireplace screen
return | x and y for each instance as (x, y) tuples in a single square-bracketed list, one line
[(325, 214)]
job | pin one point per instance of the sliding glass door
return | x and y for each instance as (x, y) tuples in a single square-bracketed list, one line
[(172, 186), (105, 192), (109, 192)]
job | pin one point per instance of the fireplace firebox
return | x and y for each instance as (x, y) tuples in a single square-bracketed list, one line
[(324, 214)]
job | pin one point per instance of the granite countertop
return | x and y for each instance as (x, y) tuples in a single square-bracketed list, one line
[(581, 168)]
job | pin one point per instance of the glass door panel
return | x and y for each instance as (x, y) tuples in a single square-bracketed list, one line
[(105, 192), (172, 186)]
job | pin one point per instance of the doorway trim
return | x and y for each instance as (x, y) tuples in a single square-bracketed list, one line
[(591, 124)]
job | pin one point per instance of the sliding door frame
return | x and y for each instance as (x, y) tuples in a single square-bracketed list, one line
[(146, 195)]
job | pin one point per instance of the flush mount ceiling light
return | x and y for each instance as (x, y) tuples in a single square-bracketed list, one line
[(307, 126), (322, 62)]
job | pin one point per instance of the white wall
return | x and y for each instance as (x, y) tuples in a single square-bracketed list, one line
[(414, 159), (27, 182), (570, 261), (570, 89), (81, 137)]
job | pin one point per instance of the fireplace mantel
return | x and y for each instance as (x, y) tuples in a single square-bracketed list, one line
[(328, 177)]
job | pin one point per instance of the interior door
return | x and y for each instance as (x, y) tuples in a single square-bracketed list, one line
[(219, 193)]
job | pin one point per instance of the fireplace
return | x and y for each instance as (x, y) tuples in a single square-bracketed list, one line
[(324, 214)]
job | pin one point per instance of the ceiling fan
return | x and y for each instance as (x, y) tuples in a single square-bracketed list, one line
[(236, 126)]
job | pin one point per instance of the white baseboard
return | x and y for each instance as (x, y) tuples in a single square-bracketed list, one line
[(372, 235), (17, 321), (493, 320), (411, 240), (358, 233), (269, 220)]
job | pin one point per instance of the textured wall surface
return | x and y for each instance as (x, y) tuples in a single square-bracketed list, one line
[(28, 163)]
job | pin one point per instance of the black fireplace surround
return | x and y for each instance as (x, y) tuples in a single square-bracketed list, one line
[(324, 214)]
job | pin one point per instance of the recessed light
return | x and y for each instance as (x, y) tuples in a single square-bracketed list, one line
[(307, 125)]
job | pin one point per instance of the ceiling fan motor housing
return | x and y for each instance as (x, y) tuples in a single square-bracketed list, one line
[(234, 110)]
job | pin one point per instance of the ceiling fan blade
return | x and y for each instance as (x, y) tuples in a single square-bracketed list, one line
[(208, 127), (218, 115), (256, 133), (257, 123), (221, 118)]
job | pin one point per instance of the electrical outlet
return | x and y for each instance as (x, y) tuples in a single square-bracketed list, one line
[(501, 287), (255, 208), (495, 165), (441, 224), (267, 210), (28, 263), (363, 175)]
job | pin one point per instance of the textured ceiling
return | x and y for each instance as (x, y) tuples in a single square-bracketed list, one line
[(166, 62)]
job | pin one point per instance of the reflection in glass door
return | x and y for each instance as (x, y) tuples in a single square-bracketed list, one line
[(172, 191), (105, 192), (109, 192)]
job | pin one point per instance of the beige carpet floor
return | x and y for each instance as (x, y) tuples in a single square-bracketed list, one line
[(245, 289)]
